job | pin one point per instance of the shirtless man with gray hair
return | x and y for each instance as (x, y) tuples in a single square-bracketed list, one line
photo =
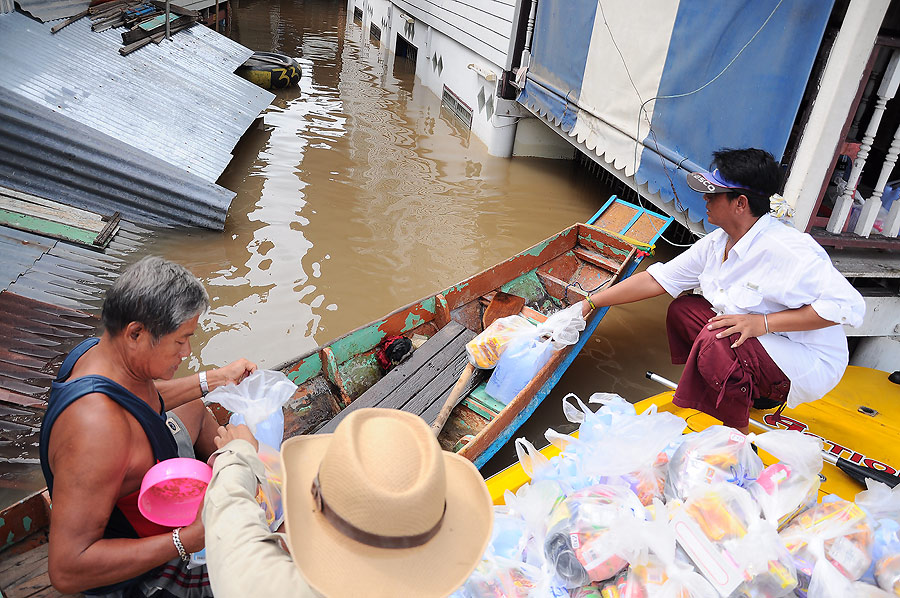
[(114, 411)]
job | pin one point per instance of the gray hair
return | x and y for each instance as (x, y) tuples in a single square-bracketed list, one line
[(160, 294)]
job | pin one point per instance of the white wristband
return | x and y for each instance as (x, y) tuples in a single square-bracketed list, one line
[(204, 387), (766, 320)]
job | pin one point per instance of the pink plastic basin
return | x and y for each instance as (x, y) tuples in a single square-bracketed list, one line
[(172, 491)]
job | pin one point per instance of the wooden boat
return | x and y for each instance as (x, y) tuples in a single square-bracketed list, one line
[(858, 421), (343, 375)]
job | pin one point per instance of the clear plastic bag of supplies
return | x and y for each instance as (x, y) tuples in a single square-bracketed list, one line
[(528, 352), (785, 488), (518, 366), (716, 454), (618, 446), (501, 578), (513, 564), (653, 579), (576, 545), (720, 528), (269, 491), (882, 505), (831, 545), (657, 569), (485, 349), (257, 402)]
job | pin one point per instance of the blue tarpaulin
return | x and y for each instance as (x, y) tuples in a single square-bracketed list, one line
[(653, 87)]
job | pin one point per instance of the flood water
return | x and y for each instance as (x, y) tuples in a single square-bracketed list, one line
[(357, 194)]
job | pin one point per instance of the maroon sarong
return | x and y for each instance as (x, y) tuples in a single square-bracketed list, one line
[(717, 379)]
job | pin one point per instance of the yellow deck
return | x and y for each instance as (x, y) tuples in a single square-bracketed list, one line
[(835, 418)]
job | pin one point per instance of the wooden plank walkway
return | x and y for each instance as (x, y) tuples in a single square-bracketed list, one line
[(23, 571), (422, 383)]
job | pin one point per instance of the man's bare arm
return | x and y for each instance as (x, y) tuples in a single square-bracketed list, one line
[(178, 391), (89, 469)]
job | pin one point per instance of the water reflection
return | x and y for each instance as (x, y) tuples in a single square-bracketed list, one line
[(356, 195)]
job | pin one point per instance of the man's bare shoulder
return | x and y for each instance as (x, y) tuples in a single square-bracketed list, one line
[(95, 426)]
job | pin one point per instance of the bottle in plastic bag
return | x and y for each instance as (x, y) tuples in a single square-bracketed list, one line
[(518, 365), (269, 431)]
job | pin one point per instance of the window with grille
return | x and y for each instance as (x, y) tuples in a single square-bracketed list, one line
[(455, 105)]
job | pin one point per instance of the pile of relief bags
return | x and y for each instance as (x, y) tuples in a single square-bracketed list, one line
[(633, 508)]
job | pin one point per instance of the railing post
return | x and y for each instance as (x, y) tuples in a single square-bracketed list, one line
[(870, 210), (886, 91)]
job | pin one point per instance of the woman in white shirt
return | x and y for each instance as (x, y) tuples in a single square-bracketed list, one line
[(765, 328)]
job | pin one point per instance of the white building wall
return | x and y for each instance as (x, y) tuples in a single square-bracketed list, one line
[(445, 57), (483, 26)]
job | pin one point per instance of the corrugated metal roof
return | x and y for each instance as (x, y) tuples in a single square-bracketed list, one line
[(7, 6), (47, 154), (178, 101), (48, 10), (50, 294)]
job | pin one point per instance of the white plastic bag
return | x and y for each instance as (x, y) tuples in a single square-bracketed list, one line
[(785, 488), (484, 350), (528, 351), (577, 543), (720, 528), (831, 546), (563, 327), (882, 504), (716, 454), (257, 402)]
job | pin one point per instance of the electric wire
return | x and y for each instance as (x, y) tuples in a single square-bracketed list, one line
[(642, 111)]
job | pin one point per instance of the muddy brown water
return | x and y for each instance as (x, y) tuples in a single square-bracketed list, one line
[(357, 194)]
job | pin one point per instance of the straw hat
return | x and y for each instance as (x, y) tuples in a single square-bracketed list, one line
[(382, 480)]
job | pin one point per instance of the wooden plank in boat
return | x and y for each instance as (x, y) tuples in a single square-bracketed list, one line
[(401, 383), (421, 358), (428, 401)]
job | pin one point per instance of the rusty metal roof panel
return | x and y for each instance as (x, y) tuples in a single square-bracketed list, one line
[(178, 101), (49, 10)]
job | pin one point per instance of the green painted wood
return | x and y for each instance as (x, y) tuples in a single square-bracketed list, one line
[(306, 370), (481, 395), (47, 228), (368, 337)]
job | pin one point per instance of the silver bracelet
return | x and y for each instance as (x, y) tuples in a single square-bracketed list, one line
[(204, 386), (176, 540), (766, 320)]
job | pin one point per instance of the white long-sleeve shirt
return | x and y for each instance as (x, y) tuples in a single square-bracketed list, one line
[(774, 267), (242, 556)]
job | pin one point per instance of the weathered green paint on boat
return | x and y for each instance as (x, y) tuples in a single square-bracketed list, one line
[(413, 320), (306, 369), (525, 286)]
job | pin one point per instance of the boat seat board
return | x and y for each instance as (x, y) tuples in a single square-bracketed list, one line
[(24, 573), (419, 382)]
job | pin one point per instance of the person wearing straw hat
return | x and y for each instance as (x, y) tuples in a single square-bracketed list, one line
[(765, 329), (374, 509)]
